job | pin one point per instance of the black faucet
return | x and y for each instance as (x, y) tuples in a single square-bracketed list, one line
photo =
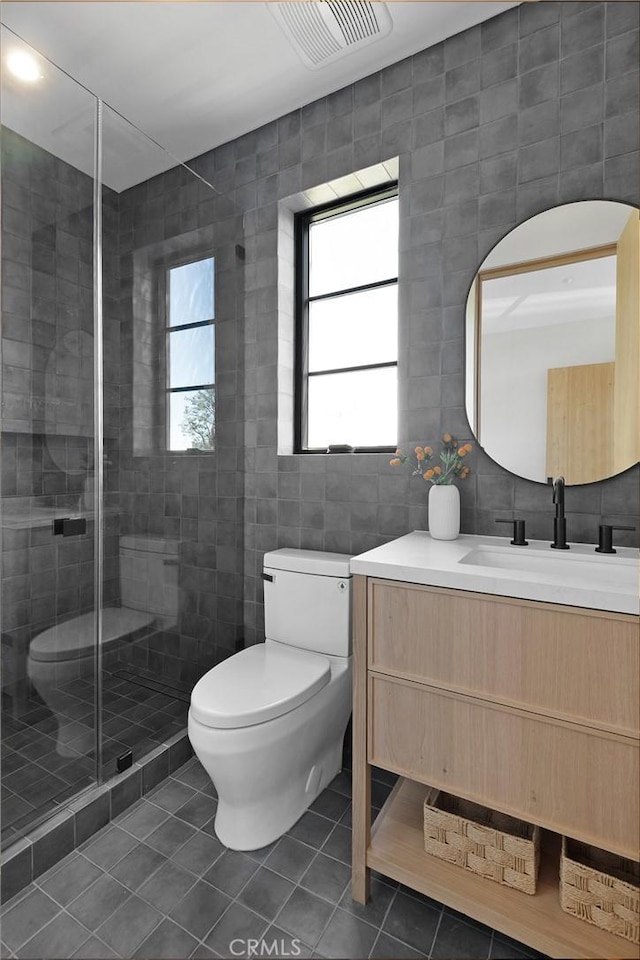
[(605, 537), (559, 522)]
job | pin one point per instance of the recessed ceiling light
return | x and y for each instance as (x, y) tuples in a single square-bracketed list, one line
[(23, 66)]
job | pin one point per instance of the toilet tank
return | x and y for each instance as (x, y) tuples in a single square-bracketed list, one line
[(307, 600), (149, 576)]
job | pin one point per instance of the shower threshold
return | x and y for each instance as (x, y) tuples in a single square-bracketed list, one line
[(177, 689)]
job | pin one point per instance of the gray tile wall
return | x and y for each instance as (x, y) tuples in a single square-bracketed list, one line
[(194, 498), (535, 107), (47, 295), (48, 438), (47, 389)]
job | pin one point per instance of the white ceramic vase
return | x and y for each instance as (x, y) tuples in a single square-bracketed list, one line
[(444, 511)]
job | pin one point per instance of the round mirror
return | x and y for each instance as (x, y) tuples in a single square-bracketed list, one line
[(553, 344)]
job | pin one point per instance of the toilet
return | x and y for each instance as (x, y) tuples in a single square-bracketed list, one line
[(268, 723), (66, 652)]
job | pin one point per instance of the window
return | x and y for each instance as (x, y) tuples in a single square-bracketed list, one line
[(347, 324), (190, 352)]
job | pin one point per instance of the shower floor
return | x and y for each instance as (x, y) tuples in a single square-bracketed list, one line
[(139, 713)]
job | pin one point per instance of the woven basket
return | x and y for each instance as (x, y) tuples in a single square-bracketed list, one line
[(600, 888), (488, 843)]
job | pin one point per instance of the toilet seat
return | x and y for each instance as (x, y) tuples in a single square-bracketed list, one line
[(74, 639), (258, 684)]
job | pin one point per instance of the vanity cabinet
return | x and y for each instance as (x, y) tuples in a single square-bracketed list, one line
[(527, 707)]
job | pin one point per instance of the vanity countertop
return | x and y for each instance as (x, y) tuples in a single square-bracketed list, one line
[(578, 577)]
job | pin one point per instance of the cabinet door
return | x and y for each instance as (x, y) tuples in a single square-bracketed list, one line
[(577, 665), (570, 779)]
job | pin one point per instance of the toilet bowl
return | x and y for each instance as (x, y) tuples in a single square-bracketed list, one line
[(268, 723), (67, 651)]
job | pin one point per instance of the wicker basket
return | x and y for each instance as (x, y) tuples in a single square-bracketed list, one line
[(600, 888), (488, 843)]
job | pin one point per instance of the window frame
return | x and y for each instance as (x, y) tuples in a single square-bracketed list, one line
[(170, 328), (302, 223)]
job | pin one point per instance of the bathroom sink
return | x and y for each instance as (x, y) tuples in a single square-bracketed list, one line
[(616, 572), (577, 577)]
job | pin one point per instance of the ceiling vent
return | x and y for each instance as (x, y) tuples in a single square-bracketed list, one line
[(321, 31)]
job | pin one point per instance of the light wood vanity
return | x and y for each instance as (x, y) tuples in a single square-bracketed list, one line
[(528, 707)]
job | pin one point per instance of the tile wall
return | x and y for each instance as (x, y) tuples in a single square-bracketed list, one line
[(535, 107), (48, 435), (195, 498), (47, 389)]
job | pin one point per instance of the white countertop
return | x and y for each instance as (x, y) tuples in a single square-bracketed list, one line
[(578, 577)]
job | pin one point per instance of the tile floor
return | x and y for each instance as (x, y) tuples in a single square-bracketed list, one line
[(157, 883), (36, 778)]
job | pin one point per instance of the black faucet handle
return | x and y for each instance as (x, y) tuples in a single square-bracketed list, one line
[(605, 536), (518, 532)]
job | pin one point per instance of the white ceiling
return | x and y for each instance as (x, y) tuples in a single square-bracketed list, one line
[(573, 293), (191, 75)]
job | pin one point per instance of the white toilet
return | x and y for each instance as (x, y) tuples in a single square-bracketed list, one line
[(65, 652), (268, 724)]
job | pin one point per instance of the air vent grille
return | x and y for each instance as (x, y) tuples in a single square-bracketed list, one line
[(356, 20), (320, 31), (309, 31)]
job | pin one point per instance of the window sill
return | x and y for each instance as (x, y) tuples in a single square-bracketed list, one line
[(357, 451)]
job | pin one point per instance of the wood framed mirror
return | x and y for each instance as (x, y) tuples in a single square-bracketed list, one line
[(553, 345)]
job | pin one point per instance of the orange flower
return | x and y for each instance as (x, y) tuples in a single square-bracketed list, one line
[(428, 451), (398, 452), (462, 451), (469, 447), (447, 438), (428, 474), (395, 462), (437, 470), (419, 452)]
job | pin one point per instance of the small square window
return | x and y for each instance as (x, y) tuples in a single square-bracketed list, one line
[(190, 351), (192, 419), (191, 356), (191, 293)]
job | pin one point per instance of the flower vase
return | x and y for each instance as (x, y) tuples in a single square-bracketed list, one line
[(444, 511)]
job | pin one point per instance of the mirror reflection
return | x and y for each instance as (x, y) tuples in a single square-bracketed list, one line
[(553, 341)]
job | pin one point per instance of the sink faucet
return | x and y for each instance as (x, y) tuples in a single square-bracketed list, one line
[(559, 521)]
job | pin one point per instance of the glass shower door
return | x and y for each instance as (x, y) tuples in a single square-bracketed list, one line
[(149, 206), (49, 542)]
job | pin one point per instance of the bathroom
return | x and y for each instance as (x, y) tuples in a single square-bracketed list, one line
[(489, 114)]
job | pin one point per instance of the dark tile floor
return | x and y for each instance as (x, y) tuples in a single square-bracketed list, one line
[(36, 778), (157, 883)]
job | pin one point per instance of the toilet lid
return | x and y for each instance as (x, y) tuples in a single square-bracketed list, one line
[(75, 638), (258, 684)]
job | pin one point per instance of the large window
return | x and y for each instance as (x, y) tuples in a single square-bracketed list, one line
[(347, 324), (191, 356)]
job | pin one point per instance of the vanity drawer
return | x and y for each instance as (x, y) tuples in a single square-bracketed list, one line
[(548, 658), (556, 774)]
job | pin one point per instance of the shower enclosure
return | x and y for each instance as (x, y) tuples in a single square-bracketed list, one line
[(121, 462)]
